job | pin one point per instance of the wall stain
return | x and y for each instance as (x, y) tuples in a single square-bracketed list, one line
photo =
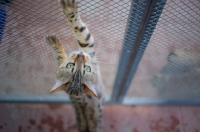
[(56, 124), (39, 127), (19, 128), (70, 128), (135, 130), (54, 106), (28, 127), (1, 127), (32, 122), (165, 125), (112, 126)]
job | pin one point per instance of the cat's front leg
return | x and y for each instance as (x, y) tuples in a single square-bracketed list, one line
[(82, 33), (54, 42)]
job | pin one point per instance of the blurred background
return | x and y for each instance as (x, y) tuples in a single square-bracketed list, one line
[(148, 52)]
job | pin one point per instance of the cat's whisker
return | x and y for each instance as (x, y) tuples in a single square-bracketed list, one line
[(100, 58), (99, 49), (67, 50), (105, 64), (70, 49), (102, 62), (100, 55), (98, 52)]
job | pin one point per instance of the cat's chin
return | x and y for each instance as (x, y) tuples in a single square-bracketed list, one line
[(74, 89), (83, 90)]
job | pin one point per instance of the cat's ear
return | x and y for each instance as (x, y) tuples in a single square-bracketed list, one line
[(90, 89), (59, 85)]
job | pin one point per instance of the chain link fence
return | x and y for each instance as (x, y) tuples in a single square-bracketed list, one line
[(169, 68)]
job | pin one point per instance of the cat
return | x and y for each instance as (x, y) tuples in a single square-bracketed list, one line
[(78, 73)]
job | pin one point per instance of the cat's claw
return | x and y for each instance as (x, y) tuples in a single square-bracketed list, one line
[(68, 3), (69, 7)]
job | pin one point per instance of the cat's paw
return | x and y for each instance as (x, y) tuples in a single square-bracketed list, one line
[(52, 39), (69, 7)]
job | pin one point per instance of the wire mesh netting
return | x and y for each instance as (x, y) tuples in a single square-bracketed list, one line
[(170, 67), (28, 64)]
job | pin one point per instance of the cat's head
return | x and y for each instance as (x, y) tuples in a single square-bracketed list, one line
[(76, 75)]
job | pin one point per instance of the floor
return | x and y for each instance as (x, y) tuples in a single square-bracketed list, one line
[(117, 118)]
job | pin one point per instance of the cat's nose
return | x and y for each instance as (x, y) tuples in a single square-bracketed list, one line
[(80, 58), (80, 55)]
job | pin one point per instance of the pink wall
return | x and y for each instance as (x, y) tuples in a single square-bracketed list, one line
[(117, 118)]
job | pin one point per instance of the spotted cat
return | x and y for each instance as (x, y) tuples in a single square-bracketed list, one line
[(78, 73)]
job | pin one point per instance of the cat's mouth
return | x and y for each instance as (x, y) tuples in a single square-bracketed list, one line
[(78, 92)]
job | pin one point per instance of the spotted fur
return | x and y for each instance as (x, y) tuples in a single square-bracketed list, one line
[(78, 73)]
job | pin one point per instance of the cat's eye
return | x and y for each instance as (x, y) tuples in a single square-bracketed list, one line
[(87, 68), (70, 65)]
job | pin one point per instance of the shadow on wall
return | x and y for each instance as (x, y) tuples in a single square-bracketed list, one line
[(182, 71)]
